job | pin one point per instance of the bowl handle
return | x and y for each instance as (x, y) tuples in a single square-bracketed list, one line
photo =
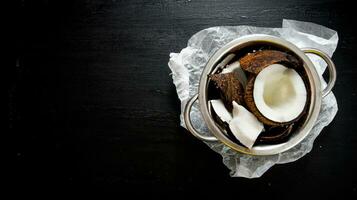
[(189, 126), (331, 69)]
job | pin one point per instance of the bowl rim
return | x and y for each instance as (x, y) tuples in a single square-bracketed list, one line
[(315, 100)]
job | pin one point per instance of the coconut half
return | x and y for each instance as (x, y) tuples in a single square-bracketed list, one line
[(278, 93)]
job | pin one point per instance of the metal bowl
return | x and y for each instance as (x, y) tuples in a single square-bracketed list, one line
[(255, 40)]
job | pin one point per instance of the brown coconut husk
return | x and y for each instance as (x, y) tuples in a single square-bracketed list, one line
[(230, 88), (275, 134), (257, 61)]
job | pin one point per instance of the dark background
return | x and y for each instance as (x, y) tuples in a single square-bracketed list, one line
[(92, 104)]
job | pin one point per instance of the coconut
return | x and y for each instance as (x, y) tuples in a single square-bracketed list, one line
[(275, 134), (220, 110), (235, 67), (245, 126), (229, 87), (277, 95), (257, 61)]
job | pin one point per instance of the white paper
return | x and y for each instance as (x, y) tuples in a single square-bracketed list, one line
[(187, 66)]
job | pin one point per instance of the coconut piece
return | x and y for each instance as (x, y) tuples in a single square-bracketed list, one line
[(275, 134), (235, 67), (229, 87), (257, 61), (225, 61), (220, 110), (277, 95), (245, 126)]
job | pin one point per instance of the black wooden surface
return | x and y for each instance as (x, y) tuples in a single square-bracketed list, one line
[(92, 104)]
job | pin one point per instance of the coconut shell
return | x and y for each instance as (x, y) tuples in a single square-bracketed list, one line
[(275, 134), (229, 88), (257, 61)]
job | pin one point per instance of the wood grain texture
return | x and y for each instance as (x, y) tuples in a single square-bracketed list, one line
[(91, 99)]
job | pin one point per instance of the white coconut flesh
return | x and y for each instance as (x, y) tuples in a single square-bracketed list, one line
[(235, 67), (245, 126), (221, 110), (279, 93)]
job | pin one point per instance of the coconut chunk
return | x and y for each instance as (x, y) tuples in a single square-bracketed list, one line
[(235, 67), (275, 134), (257, 61), (245, 126), (220, 110), (229, 87)]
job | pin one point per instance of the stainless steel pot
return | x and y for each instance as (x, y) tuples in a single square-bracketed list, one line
[(315, 86)]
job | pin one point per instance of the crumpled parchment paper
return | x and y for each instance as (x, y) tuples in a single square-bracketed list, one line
[(187, 66)]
